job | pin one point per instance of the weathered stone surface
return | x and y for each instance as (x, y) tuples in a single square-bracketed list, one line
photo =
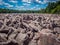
[(29, 29)]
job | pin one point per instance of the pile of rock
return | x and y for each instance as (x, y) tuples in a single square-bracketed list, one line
[(18, 29)]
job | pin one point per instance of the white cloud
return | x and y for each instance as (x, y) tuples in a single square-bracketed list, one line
[(35, 8), (52, 0), (26, 4), (19, 7), (42, 2), (13, 1), (37, 5), (45, 0), (27, 1), (5, 4), (8, 5), (1, 2)]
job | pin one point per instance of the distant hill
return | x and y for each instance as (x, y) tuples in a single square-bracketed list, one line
[(18, 11), (8, 11)]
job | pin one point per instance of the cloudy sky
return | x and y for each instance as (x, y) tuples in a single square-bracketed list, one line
[(24, 4)]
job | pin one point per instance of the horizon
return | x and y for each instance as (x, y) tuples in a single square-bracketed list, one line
[(25, 4)]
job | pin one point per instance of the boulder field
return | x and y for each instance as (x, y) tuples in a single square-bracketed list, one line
[(29, 29)]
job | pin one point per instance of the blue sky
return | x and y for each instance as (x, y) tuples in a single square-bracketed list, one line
[(24, 4)]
